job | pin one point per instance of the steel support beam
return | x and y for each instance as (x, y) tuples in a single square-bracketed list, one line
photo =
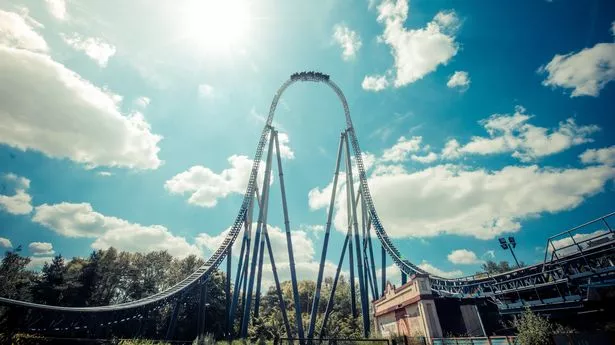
[(364, 297), (278, 288), (404, 278), (229, 267), (383, 262), (201, 312), (325, 245), (371, 257), (259, 276), (266, 178), (289, 245), (334, 286), (173, 321), (353, 298), (238, 277)]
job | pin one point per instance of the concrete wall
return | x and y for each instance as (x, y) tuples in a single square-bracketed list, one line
[(471, 320)]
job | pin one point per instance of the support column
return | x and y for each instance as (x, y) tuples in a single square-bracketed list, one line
[(238, 276), (278, 289), (404, 278), (325, 245), (383, 260), (334, 286), (289, 245), (247, 307), (201, 312), (371, 259), (229, 267), (364, 302), (353, 299), (173, 321), (257, 295)]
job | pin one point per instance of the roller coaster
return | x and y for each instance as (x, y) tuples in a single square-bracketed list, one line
[(573, 265)]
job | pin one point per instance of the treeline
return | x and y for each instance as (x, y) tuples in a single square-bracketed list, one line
[(111, 277)]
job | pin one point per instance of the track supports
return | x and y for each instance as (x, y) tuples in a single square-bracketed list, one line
[(201, 313), (384, 269), (229, 266), (362, 289), (289, 245), (325, 245), (247, 307), (261, 240), (173, 321)]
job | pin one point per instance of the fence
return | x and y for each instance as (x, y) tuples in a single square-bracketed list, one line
[(475, 341), (334, 341)]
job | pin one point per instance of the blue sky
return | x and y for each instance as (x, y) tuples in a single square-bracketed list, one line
[(133, 125)]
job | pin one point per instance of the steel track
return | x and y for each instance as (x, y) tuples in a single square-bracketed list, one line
[(470, 286)]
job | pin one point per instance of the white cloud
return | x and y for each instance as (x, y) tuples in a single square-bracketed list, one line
[(137, 238), (19, 181), (471, 202), (206, 91), (417, 52), (565, 246), (80, 220), (314, 228), (16, 32), (451, 149), (142, 102), (21, 201), (374, 83), (37, 263), (71, 118), (95, 48), (463, 257), (393, 274), (205, 187), (57, 8), (604, 155), (586, 72), (400, 151), (460, 79), (285, 150), (41, 248), (426, 266), (5, 243), (527, 142), (489, 255), (429, 158), (349, 41), (104, 173)]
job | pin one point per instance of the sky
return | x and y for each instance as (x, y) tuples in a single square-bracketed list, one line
[(134, 124)]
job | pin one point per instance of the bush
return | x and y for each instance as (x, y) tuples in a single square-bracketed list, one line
[(534, 329)]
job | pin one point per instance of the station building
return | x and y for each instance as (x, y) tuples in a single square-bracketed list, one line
[(413, 310)]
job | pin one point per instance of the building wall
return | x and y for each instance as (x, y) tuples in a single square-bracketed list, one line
[(407, 310)]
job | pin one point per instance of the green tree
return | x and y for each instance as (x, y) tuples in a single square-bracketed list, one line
[(52, 285), (534, 329), (493, 267), (15, 279)]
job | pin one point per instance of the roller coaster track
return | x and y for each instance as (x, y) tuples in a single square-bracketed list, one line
[(543, 274)]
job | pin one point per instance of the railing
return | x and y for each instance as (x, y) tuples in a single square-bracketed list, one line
[(574, 241), (475, 341), (333, 341)]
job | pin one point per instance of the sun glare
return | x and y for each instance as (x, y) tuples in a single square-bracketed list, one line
[(216, 25)]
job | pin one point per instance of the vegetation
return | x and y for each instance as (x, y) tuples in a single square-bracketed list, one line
[(534, 329), (109, 277), (493, 267)]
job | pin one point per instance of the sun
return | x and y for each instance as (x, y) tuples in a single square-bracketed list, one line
[(216, 26)]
